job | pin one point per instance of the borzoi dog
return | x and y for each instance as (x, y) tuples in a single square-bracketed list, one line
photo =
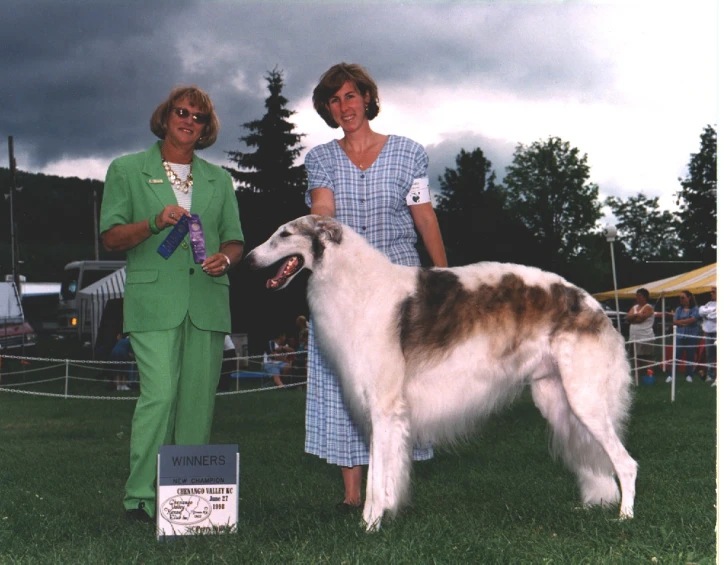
[(422, 354)]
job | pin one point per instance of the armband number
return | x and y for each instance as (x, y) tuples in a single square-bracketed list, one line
[(419, 192)]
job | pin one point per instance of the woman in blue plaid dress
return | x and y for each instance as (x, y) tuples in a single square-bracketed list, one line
[(377, 185)]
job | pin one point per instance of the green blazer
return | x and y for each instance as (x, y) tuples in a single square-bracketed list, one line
[(160, 292)]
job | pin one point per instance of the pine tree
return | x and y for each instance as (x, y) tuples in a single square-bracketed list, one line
[(697, 202), (270, 169), (474, 224)]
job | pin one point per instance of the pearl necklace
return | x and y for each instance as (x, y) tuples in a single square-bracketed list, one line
[(176, 182)]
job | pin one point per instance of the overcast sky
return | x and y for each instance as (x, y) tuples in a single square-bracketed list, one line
[(632, 84)]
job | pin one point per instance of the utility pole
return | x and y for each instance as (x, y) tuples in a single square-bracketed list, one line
[(13, 237), (95, 223)]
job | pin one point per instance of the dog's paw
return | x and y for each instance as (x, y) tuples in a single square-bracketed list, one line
[(371, 519), (371, 527), (626, 513)]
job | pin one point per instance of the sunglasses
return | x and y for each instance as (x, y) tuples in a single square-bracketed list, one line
[(198, 117)]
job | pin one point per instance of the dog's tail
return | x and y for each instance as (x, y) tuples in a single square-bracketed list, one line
[(587, 407)]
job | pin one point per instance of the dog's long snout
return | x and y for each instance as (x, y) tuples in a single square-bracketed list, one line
[(250, 260)]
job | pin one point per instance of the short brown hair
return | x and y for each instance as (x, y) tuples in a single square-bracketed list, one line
[(643, 292), (196, 97), (331, 81)]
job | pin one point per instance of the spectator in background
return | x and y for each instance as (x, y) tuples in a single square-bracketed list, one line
[(275, 363), (641, 330), (227, 365), (686, 320), (707, 312), (303, 335), (122, 351), (300, 360)]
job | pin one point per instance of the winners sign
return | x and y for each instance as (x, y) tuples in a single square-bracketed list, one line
[(198, 489)]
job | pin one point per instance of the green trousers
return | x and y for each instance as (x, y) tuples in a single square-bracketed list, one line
[(179, 370)]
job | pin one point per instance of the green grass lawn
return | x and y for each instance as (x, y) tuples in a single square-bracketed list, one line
[(498, 498)]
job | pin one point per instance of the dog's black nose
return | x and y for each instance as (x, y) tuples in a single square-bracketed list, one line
[(249, 261)]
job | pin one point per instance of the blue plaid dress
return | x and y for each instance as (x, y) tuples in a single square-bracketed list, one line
[(372, 202)]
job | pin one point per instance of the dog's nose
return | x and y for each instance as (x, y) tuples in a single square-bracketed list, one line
[(249, 260)]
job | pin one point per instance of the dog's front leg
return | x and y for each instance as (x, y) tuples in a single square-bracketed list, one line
[(373, 510), (389, 470)]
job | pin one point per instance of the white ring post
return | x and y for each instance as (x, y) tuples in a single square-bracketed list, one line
[(636, 363), (673, 369), (663, 332), (67, 362)]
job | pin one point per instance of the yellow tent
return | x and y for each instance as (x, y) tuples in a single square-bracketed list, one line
[(697, 281)]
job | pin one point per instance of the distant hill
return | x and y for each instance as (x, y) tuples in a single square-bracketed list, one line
[(49, 207), (54, 219)]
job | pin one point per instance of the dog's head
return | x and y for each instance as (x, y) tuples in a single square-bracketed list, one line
[(296, 245)]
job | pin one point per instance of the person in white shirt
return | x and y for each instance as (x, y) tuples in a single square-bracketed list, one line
[(641, 331), (707, 312)]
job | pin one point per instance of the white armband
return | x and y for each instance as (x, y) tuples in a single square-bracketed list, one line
[(419, 192)]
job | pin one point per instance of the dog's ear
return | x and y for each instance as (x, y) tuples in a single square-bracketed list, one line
[(327, 228)]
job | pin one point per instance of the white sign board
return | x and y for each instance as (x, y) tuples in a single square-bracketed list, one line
[(198, 489)]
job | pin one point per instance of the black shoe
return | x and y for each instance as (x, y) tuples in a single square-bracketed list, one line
[(138, 515), (346, 508)]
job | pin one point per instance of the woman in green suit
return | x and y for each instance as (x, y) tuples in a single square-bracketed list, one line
[(176, 308)]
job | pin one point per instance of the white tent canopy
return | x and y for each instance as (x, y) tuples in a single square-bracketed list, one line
[(93, 298)]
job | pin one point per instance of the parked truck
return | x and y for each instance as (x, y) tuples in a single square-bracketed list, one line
[(77, 276)]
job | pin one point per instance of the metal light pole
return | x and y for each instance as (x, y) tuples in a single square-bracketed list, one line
[(13, 242), (610, 232)]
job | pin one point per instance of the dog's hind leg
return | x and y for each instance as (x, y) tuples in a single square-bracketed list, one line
[(388, 477), (596, 393), (574, 444)]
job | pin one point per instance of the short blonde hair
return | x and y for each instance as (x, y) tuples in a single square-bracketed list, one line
[(332, 81), (195, 97)]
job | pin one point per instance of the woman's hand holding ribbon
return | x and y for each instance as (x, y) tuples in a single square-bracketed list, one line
[(170, 216)]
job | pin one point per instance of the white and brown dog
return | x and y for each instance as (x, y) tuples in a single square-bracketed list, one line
[(423, 354)]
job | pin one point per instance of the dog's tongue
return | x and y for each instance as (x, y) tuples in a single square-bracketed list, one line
[(283, 273)]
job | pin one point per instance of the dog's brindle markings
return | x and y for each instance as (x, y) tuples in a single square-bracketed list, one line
[(442, 311), (333, 233)]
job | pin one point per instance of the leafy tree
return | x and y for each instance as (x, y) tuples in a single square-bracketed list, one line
[(646, 231), (474, 225), (697, 201), (270, 169), (548, 188)]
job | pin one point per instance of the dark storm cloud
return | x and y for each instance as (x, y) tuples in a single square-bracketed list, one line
[(82, 78), (80, 74)]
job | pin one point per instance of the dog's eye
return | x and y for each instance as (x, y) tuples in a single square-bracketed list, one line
[(285, 234)]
